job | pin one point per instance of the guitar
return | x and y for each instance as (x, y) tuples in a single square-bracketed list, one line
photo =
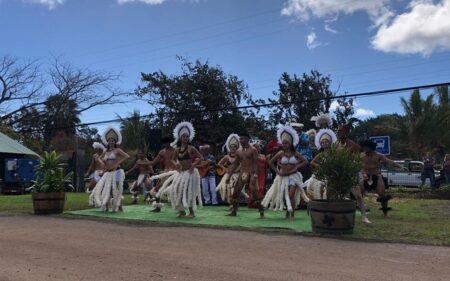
[(203, 167)]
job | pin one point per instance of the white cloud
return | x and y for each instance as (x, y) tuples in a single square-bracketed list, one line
[(362, 113), (311, 41), (50, 4), (151, 2), (424, 29), (378, 10)]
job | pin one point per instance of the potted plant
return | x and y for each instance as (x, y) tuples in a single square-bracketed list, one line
[(48, 190), (339, 169)]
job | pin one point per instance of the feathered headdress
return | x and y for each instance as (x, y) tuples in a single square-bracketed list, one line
[(183, 128), (232, 139), (325, 134), (286, 132), (97, 145), (111, 133), (322, 118)]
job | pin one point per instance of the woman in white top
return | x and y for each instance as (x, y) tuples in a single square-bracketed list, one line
[(286, 190), (110, 187)]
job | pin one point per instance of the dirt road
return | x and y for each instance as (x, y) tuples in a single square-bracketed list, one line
[(51, 248)]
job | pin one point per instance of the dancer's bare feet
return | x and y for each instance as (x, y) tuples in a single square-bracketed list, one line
[(365, 220), (181, 214)]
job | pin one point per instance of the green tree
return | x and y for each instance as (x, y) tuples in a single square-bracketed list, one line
[(135, 131), (196, 95), (344, 112), (305, 97), (421, 120)]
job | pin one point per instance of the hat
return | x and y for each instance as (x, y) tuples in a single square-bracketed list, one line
[(286, 132), (97, 145), (325, 134), (111, 133), (183, 128), (232, 139), (297, 125), (323, 118)]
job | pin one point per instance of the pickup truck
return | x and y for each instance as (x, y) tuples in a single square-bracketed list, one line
[(394, 176)]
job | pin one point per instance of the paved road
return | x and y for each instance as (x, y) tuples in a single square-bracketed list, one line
[(51, 248)]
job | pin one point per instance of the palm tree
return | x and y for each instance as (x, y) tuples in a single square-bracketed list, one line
[(421, 120)]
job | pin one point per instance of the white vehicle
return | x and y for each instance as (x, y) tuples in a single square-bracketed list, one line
[(394, 176)]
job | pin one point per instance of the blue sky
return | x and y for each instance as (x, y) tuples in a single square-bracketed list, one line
[(362, 45)]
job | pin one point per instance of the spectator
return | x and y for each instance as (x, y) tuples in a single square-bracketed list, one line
[(428, 170), (446, 168)]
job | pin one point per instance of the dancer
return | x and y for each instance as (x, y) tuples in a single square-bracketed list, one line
[(323, 121), (167, 166), (371, 174), (324, 139), (286, 189), (183, 187), (97, 166), (247, 158), (357, 191), (143, 182), (226, 189), (110, 186)]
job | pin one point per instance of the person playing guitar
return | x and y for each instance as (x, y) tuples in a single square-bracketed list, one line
[(206, 169)]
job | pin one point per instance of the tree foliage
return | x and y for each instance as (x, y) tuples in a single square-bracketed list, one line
[(197, 95), (304, 97)]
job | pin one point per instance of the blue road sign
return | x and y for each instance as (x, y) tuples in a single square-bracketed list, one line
[(383, 144)]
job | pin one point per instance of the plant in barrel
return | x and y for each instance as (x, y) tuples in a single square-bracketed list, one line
[(49, 187), (339, 169)]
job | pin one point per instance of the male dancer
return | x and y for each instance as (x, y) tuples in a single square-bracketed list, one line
[(165, 160), (345, 142), (97, 166), (372, 178), (145, 169), (247, 158)]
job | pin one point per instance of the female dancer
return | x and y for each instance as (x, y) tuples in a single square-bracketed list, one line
[(183, 187), (286, 189), (96, 167), (226, 190), (110, 186)]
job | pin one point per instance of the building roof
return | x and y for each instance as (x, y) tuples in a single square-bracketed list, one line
[(8, 145)]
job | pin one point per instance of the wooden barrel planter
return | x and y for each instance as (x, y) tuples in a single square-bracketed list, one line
[(332, 217), (47, 203)]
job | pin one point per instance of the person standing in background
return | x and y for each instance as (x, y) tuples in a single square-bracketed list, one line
[(428, 170), (446, 168), (207, 168), (303, 148)]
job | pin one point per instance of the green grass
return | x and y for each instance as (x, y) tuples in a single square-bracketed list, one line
[(418, 221), (23, 203)]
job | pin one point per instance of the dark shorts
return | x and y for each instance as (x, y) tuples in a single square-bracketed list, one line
[(371, 182)]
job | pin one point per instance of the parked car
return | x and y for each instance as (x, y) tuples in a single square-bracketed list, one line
[(394, 176)]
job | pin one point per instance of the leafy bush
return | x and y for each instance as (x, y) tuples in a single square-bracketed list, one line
[(50, 174), (339, 168)]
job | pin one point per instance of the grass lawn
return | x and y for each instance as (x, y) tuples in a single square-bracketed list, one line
[(418, 221)]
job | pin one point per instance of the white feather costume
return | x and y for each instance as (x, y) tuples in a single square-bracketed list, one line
[(182, 188), (226, 190), (315, 188), (108, 190), (277, 197)]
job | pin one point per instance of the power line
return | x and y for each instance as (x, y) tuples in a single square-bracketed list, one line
[(363, 94)]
